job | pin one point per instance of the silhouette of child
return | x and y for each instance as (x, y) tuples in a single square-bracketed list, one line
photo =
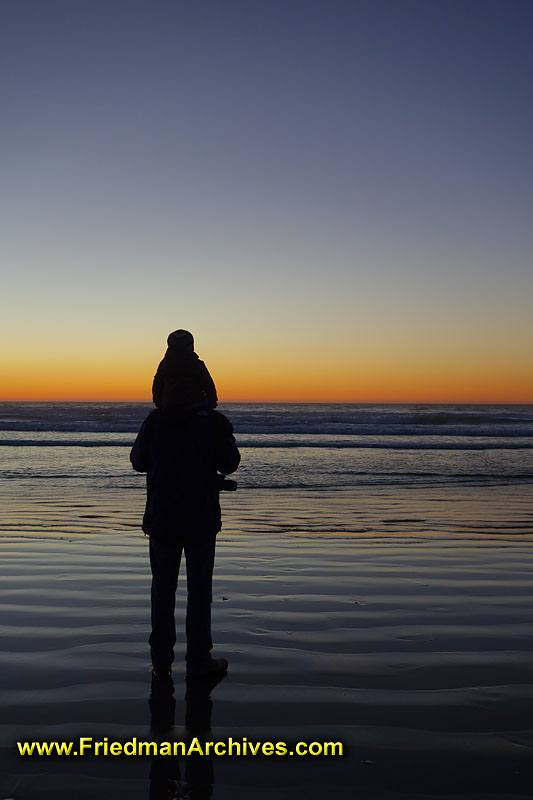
[(182, 381)]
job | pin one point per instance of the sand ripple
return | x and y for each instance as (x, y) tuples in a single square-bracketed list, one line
[(414, 652)]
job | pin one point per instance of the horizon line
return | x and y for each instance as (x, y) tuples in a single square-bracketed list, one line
[(293, 402)]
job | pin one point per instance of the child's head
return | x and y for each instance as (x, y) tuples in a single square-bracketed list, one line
[(180, 340)]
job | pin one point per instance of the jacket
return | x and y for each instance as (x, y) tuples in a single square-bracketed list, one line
[(182, 453)]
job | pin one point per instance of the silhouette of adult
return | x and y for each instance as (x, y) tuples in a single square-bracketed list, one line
[(183, 454)]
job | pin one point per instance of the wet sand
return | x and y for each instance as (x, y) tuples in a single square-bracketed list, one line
[(414, 651)]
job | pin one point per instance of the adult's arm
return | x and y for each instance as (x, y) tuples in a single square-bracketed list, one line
[(227, 452)]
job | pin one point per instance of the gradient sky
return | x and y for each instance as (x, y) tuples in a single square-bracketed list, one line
[(335, 197)]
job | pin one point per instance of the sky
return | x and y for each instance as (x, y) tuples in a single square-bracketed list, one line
[(333, 196)]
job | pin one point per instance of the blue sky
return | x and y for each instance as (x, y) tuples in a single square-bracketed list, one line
[(283, 178)]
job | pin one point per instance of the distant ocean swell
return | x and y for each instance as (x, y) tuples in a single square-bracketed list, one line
[(363, 443), (284, 447), (309, 469), (285, 420)]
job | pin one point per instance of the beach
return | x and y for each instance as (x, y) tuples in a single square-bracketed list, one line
[(396, 620), (411, 650)]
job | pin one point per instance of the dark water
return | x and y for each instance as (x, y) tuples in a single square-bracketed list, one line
[(316, 468)]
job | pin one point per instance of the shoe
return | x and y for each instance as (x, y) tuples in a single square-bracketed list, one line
[(215, 668)]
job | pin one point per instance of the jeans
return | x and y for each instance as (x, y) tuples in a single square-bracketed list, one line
[(165, 560)]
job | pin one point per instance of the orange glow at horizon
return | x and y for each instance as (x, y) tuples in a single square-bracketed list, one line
[(371, 382)]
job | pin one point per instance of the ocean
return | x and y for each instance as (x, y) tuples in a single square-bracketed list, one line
[(307, 469), (372, 587)]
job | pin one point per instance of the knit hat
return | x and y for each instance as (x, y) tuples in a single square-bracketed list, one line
[(180, 340)]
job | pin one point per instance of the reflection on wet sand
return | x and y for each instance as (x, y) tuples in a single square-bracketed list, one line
[(166, 781)]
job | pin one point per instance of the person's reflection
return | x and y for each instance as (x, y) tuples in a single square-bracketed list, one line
[(165, 775)]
